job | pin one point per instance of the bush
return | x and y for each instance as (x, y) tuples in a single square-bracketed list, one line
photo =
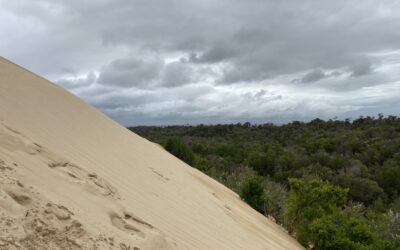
[(178, 148), (252, 191), (389, 180), (263, 163), (363, 189), (276, 196), (308, 202), (337, 231), (311, 200)]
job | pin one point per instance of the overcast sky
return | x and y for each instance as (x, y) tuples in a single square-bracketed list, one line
[(159, 62)]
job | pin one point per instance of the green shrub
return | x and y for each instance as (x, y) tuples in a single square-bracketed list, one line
[(252, 191), (262, 163), (178, 148), (362, 189), (309, 201), (276, 196), (389, 180), (337, 231)]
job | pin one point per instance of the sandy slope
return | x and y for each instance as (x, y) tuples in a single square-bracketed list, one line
[(71, 178)]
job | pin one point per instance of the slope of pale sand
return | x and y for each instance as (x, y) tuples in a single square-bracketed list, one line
[(71, 178)]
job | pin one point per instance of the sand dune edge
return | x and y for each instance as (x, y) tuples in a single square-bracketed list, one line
[(71, 178)]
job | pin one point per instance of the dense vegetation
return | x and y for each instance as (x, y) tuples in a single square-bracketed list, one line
[(332, 184)]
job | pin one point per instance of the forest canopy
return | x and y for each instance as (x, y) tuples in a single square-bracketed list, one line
[(353, 167)]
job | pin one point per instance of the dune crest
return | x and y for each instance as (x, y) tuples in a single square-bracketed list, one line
[(71, 178)]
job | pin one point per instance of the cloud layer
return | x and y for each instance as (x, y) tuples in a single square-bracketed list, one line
[(202, 61)]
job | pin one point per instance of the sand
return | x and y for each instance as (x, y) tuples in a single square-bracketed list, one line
[(71, 178)]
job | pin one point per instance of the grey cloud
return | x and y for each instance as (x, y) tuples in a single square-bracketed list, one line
[(217, 53), (176, 74), (130, 72), (340, 82), (361, 68), (78, 82), (260, 93), (270, 37), (117, 100), (317, 75), (230, 46), (244, 73), (313, 76)]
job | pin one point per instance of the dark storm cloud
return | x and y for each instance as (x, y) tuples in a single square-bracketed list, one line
[(121, 55)]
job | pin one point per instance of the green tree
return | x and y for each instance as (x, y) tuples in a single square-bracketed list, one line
[(310, 201), (362, 189), (178, 148), (262, 163), (390, 180), (252, 191), (338, 231)]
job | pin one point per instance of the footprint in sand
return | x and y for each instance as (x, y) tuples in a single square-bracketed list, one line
[(164, 178), (59, 211), (19, 197), (106, 188), (15, 141), (121, 223), (54, 224), (90, 181), (4, 166), (131, 224)]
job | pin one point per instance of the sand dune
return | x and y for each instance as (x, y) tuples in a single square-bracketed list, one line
[(71, 178)]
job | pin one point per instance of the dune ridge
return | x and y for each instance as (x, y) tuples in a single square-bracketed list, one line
[(71, 178)]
